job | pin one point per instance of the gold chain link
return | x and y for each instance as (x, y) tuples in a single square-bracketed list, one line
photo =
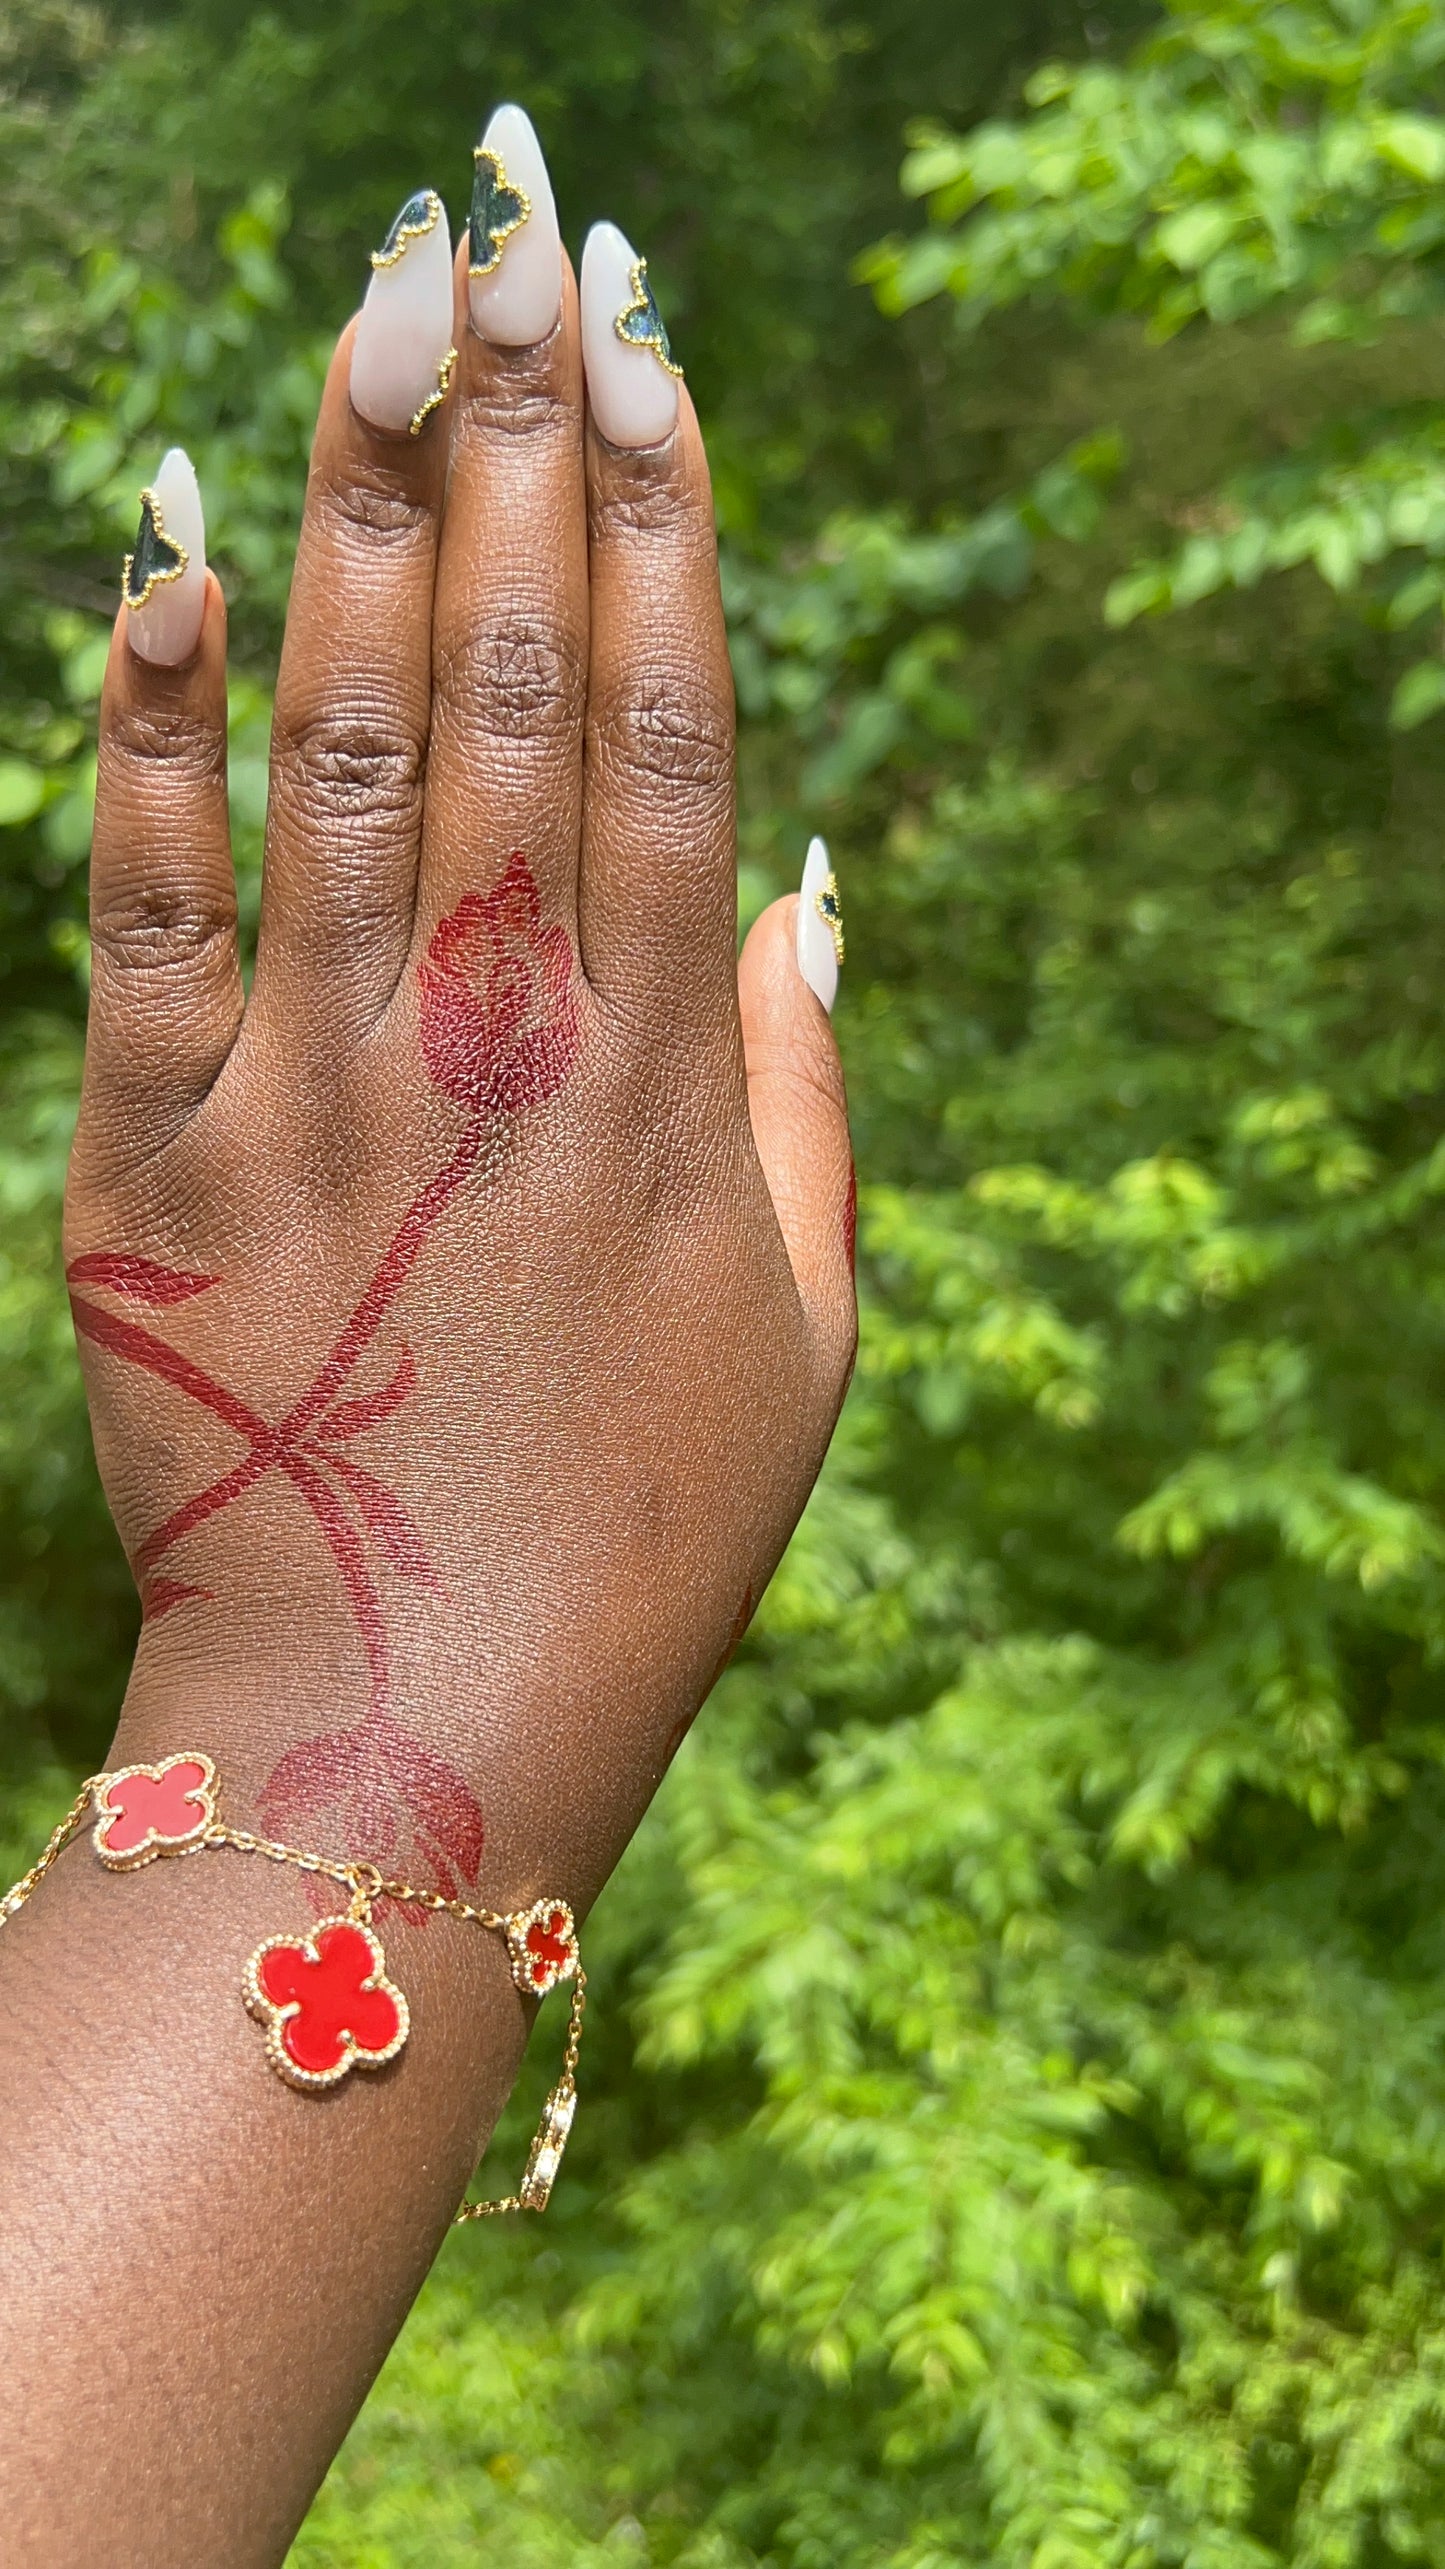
[(367, 1884), (565, 2088), (16, 1897)]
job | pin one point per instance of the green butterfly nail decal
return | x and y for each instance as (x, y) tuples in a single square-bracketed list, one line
[(641, 325), (498, 210), (156, 557), (420, 215)]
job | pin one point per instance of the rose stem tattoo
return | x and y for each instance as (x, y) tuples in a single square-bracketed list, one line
[(499, 1033)]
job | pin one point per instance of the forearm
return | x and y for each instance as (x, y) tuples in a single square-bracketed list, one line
[(236, 2253)]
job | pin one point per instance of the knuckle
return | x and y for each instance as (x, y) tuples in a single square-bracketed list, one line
[(674, 733), (638, 499), (172, 737), (374, 504), (149, 924), (351, 772), (513, 407), (513, 678)]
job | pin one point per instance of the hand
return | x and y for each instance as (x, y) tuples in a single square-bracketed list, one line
[(466, 1311)]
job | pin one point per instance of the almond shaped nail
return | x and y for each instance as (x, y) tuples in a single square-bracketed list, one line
[(820, 925), (164, 581), (514, 251), (631, 374), (402, 355)]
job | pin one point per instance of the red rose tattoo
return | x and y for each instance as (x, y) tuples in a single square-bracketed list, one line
[(498, 1013), (499, 1034)]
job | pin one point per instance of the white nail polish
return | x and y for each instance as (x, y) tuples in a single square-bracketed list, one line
[(820, 925), (631, 377), (402, 355), (164, 584), (514, 252)]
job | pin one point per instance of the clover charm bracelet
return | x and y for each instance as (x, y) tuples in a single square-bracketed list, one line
[(325, 1999)]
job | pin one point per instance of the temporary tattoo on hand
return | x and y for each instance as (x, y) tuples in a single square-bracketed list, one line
[(373, 1785), (499, 1028), (499, 1033)]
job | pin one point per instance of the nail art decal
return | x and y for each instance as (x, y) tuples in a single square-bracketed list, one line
[(514, 286), (632, 376), (434, 400), (641, 325), (164, 580), (155, 557), (420, 215), (498, 210), (402, 355), (820, 925)]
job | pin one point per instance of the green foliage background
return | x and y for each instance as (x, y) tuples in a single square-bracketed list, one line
[(1015, 2129)]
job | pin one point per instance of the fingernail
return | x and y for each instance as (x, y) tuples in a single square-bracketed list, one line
[(820, 925), (164, 582), (402, 356), (514, 255), (631, 378)]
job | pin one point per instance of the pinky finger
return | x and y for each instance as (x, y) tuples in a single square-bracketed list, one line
[(166, 991)]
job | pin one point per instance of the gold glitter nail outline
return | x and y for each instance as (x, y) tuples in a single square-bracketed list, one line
[(643, 300), (155, 579), (484, 152), (435, 399), (409, 232), (832, 919)]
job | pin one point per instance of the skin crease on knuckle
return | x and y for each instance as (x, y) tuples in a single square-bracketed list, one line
[(665, 741), (515, 677), (141, 738), (369, 506), (350, 768), (152, 927), (515, 410)]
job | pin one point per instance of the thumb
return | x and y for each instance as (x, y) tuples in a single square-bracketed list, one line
[(797, 1103)]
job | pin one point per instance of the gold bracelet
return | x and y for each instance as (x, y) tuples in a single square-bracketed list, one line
[(325, 2000)]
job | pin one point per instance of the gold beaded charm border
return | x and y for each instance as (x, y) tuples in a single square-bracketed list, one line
[(828, 904), (276, 2017), (644, 301), (130, 1831), (435, 399), (201, 1796), (151, 508), (394, 248)]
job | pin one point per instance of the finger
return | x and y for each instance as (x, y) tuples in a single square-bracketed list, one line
[(165, 997), (658, 872), (353, 698), (509, 660), (800, 1127)]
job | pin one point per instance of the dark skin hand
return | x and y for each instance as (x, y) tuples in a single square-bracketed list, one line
[(464, 1317)]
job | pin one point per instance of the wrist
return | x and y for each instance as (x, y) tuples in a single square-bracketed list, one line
[(489, 1782), (493, 1711)]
